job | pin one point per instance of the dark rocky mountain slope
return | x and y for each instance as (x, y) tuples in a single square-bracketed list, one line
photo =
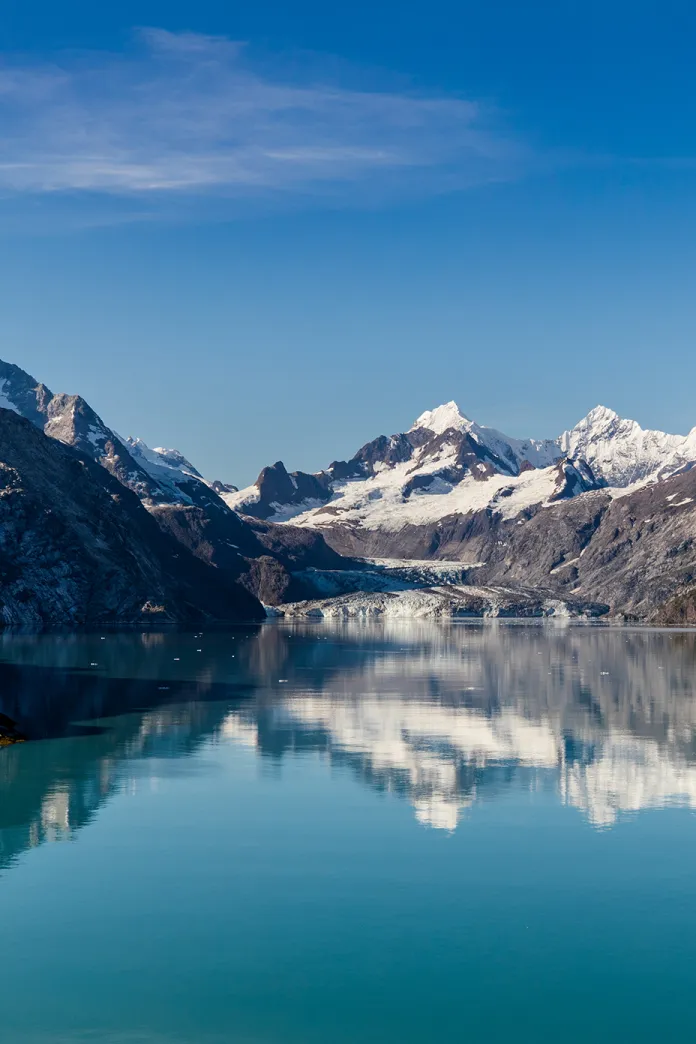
[(634, 553), (76, 547), (184, 505)]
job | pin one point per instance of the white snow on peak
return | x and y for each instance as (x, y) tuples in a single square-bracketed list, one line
[(621, 452), (618, 450), (540, 453), (515, 451), (599, 417), (442, 418)]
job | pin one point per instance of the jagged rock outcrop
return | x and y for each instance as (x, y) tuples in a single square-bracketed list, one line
[(277, 489), (21, 392), (223, 487), (9, 732)]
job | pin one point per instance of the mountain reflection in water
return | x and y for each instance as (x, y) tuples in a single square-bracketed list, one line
[(443, 716)]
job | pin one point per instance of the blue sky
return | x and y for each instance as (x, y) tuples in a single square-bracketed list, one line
[(277, 230)]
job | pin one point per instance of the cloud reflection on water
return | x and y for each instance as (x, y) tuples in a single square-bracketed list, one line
[(445, 717)]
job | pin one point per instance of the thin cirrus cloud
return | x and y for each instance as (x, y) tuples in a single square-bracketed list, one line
[(188, 114)]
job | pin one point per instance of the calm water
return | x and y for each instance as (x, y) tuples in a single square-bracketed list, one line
[(382, 834)]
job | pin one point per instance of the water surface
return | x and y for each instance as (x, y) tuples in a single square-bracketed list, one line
[(393, 833)]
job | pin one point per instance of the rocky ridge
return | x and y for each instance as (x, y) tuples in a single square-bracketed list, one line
[(77, 547)]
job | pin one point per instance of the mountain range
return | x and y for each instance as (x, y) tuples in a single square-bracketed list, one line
[(447, 464), (603, 515), (448, 518)]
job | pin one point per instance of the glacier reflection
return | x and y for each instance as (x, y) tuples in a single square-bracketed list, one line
[(448, 716), (443, 716)]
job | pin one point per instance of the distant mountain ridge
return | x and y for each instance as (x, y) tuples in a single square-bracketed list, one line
[(447, 463), (601, 519), (604, 514)]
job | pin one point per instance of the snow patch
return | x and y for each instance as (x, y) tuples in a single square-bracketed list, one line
[(5, 402)]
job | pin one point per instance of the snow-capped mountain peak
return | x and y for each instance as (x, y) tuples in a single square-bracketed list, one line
[(513, 452), (600, 416), (600, 422), (620, 451), (442, 418)]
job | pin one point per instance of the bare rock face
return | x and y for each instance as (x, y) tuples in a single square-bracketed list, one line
[(71, 420), (21, 392), (277, 488), (77, 547), (644, 552), (263, 557), (574, 477), (392, 449), (271, 581), (678, 611), (297, 547)]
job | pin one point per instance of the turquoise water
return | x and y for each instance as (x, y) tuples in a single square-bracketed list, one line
[(389, 834)]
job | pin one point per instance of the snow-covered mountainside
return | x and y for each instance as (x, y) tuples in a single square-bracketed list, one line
[(623, 453), (514, 451), (449, 465), (604, 515), (77, 548)]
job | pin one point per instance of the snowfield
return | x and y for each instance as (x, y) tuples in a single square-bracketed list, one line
[(378, 502)]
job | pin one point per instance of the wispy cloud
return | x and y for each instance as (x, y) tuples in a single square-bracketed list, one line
[(189, 114)]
